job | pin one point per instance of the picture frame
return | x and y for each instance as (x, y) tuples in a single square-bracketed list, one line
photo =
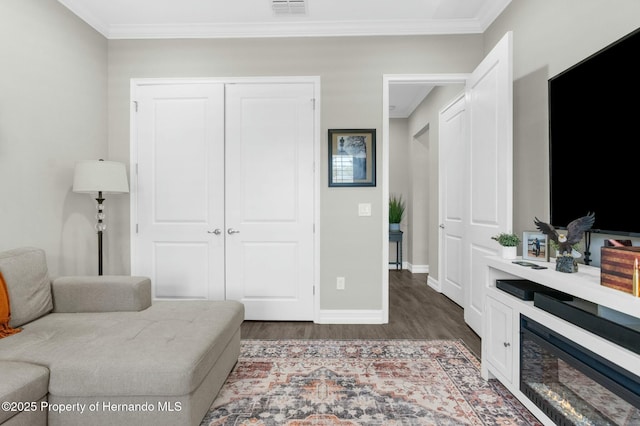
[(535, 246), (352, 157)]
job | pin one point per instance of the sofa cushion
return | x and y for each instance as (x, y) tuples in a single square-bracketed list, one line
[(103, 293), (167, 349), (22, 383), (25, 272)]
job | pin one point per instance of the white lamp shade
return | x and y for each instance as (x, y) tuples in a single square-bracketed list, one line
[(98, 175)]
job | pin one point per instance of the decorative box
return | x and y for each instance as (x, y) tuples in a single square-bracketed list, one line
[(616, 267)]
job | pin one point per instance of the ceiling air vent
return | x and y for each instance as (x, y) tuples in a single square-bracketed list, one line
[(289, 7)]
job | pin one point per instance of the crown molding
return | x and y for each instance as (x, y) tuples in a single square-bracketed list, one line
[(294, 29), (492, 12), (298, 28), (82, 12)]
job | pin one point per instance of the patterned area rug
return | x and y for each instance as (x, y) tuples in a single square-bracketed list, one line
[(357, 382)]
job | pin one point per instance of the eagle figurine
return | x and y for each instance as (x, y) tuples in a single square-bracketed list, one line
[(575, 232)]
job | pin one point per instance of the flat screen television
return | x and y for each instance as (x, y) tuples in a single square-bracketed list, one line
[(594, 140)]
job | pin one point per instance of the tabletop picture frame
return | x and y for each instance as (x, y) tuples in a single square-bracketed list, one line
[(535, 246), (352, 157)]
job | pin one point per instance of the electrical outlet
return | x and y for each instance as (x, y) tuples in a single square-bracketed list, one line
[(340, 283)]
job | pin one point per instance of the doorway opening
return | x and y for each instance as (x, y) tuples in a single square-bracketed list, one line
[(421, 83)]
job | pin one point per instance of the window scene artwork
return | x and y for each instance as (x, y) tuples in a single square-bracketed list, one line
[(352, 157)]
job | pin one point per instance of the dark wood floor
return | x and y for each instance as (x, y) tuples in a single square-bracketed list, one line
[(415, 312)]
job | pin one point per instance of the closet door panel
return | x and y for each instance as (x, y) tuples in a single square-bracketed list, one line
[(269, 199), (180, 189)]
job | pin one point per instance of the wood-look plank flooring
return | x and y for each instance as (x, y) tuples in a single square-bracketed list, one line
[(416, 311)]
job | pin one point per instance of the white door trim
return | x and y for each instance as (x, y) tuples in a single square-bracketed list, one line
[(387, 79), (133, 156)]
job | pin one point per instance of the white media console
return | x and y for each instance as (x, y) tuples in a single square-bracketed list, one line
[(501, 320)]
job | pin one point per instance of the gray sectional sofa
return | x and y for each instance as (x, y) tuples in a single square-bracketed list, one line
[(97, 351)]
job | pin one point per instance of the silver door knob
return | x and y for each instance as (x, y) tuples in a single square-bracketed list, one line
[(506, 344), (215, 231), (232, 231)]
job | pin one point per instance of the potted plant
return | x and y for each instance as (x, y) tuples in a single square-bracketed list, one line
[(396, 212), (509, 243)]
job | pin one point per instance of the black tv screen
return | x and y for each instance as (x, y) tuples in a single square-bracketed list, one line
[(594, 139)]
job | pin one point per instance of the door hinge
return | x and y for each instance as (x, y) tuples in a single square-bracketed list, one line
[(135, 103), (136, 169), (313, 103), (136, 228), (314, 290)]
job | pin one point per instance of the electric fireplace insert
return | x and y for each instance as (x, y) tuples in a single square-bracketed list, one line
[(572, 385)]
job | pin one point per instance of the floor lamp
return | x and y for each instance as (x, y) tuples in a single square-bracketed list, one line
[(100, 177)]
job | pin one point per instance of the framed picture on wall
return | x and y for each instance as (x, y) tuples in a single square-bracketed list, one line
[(352, 157), (535, 246)]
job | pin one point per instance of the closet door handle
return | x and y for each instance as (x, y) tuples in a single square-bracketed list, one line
[(215, 231), (231, 231)]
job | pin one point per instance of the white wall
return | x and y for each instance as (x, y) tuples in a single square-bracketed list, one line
[(548, 37), (55, 109), (425, 152), (53, 88), (421, 192), (351, 70), (400, 180)]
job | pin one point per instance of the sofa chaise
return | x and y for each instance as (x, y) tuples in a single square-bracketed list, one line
[(97, 351)]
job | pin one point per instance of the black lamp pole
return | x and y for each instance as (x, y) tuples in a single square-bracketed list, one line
[(99, 228), (101, 177)]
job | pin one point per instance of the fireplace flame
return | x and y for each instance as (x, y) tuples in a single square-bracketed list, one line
[(561, 403)]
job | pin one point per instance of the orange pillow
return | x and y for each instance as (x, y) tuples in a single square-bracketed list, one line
[(5, 311)]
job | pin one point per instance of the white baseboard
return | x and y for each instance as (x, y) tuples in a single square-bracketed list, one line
[(419, 269), (416, 269), (434, 284), (350, 316)]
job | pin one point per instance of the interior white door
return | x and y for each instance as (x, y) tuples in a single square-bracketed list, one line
[(489, 202), (269, 199), (453, 172), (180, 189)]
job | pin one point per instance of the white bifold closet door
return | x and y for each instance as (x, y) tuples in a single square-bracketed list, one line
[(269, 199), (225, 194), (180, 190)]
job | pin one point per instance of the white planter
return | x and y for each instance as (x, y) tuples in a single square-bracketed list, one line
[(509, 252)]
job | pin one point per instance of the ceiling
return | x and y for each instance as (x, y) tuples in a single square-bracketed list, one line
[(405, 97), (117, 19), (147, 19)]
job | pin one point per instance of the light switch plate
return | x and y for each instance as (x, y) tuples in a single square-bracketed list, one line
[(364, 209)]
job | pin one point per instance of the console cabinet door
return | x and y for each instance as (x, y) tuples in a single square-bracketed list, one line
[(499, 345)]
